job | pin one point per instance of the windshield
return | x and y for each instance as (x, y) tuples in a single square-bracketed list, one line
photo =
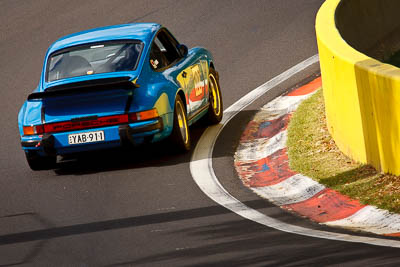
[(94, 58)]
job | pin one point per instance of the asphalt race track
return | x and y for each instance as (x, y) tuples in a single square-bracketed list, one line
[(129, 208)]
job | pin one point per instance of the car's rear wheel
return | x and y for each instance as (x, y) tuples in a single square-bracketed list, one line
[(37, 162), (215, 110), (180, 132)]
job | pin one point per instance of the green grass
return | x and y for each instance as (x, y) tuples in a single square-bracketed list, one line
[(313, 153)]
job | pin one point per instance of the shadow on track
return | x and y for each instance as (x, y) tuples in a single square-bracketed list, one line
[(99, 226), (248, 242), (256, 245)]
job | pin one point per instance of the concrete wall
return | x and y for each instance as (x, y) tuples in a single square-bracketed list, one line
[(362, 95)]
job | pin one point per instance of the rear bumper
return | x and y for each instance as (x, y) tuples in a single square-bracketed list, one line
[(57, 144), (127, 133)]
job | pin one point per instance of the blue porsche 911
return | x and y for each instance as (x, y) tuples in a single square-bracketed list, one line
[(124, 84)]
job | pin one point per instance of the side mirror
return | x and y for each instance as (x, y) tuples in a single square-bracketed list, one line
[(183, 50)]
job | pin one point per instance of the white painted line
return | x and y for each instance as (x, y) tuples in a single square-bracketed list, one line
[(246, 100), (204, 176), (375, 220), (292, 190)]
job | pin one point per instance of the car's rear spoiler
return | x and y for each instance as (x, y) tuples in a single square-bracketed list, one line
[(86, 87)]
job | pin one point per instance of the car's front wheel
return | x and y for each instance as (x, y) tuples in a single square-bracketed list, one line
[(37, 162), (215, 110), (180, 131)]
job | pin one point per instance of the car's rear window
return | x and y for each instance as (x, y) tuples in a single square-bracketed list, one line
[(94, 58)]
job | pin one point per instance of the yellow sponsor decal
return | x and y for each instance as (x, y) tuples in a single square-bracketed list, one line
[(162, 104)]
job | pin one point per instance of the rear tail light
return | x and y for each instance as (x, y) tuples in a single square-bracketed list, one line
[(33, 129), (94, 123), (143, 115)]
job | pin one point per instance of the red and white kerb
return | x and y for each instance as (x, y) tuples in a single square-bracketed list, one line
[(262, 164)]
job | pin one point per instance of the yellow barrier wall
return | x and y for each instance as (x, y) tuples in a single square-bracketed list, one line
[(362, 95)]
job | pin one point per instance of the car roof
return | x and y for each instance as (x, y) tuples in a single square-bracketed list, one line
[(135, 31)]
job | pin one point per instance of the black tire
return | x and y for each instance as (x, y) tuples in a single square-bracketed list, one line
[(215, 110), (180, 132), (37, 162)]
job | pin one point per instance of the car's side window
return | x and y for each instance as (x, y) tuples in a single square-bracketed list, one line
[(164, 51), (157, 58)]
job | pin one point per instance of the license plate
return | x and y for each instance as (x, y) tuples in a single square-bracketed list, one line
[(82, 138)]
